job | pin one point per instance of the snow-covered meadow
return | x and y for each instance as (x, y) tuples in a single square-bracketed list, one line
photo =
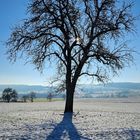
[(93, 119)]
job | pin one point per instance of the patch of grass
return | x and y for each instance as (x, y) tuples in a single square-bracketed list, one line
[(46, 100)]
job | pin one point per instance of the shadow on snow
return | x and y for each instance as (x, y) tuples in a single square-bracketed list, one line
[(66, 130)]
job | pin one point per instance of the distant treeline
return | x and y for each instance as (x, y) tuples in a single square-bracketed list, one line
[(11, 95)]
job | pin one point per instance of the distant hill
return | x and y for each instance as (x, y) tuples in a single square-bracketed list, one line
[(25, 88), (41, 91), (84, 90), (112, 90)]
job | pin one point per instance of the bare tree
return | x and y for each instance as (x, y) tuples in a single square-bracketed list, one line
[(49, 97), (25, 98), (32, 95), (82, 37)]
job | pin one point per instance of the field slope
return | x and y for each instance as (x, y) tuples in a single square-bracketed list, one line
[(93, 119)]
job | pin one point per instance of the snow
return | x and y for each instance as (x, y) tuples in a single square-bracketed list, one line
[(93, 119)]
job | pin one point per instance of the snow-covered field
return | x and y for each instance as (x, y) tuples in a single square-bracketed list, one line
[(94, 119)]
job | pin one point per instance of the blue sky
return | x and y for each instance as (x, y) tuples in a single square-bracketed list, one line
[(13, 12)]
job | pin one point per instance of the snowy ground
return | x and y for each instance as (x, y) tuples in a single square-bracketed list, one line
[(94, 119)]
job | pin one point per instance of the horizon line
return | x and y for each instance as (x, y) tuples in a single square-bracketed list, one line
[(15, 84)]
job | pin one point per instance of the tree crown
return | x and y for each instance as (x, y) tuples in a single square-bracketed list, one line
[(77, 35)]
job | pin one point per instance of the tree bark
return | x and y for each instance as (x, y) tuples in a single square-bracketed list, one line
[(70, 89), (69, 101)]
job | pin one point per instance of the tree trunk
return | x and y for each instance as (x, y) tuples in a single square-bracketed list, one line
[(70, 88), (69, 100)]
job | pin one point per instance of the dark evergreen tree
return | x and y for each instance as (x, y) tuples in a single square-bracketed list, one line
[(9, 94)]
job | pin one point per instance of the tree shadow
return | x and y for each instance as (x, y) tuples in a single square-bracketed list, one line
[(66, 130)]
